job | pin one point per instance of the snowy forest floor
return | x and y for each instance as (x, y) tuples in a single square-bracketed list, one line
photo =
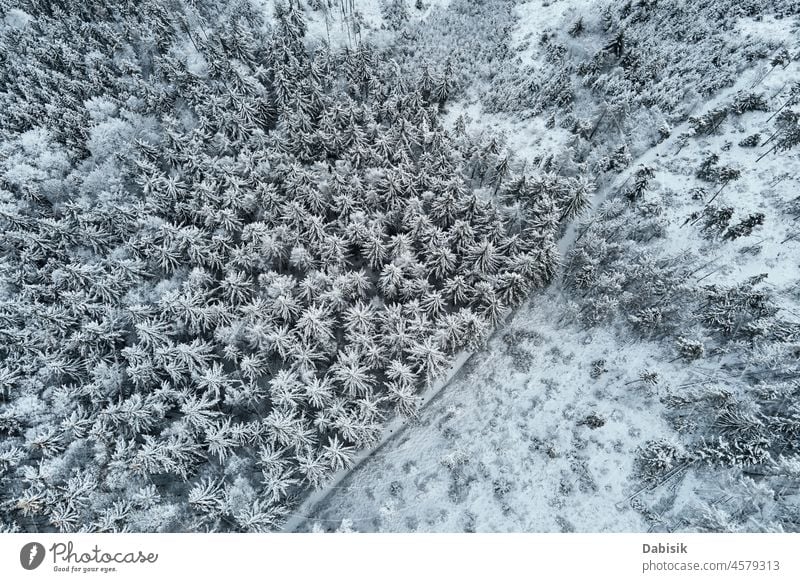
[(541, 430)]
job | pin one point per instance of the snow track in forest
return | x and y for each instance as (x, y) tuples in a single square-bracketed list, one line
[(392, 428)]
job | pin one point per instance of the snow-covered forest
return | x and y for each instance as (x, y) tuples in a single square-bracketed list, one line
[(399, 265)]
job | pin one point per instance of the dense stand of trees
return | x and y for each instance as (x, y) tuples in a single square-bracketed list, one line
[(224, 260)]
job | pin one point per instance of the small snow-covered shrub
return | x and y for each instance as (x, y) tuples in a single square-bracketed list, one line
[(690, 349), (751, 141), (655, 458)]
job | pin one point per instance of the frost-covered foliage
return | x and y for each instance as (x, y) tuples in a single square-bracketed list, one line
[(735, 332), (612, 272), (471, 36), (224, 261), (635, 54), (394, 13), (620, 74)]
